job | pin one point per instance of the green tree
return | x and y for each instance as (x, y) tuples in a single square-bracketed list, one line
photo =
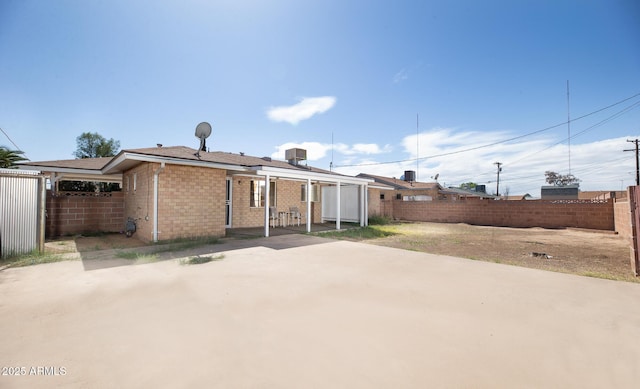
[(557, 179), (468, 186), (9, 158), (94, 145)]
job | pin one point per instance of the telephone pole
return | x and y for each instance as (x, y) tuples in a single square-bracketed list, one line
[(637, 162), (498, 181)]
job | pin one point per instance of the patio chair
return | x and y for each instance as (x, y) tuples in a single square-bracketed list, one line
[(273, 216), (295, 215)]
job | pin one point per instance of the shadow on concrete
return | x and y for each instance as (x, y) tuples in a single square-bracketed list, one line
[(237, 239)]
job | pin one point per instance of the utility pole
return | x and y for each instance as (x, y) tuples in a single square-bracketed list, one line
[(637, 162), (498, 181)]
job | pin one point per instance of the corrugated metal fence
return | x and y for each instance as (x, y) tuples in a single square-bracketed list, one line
[(22, 212)]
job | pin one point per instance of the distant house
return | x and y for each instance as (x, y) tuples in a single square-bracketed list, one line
[(177, 192), (397, 189), (525, 196)]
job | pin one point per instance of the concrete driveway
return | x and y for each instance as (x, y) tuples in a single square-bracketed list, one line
[(305, 312)]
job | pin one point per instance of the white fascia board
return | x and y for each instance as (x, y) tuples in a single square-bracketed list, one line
[(63, 170), (300, 175), (169, 160)]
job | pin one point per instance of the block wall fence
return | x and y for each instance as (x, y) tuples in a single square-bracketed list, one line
[(531, 213), (71, 213)]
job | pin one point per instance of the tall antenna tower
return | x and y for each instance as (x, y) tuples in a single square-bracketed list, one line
[(331, 164), (417, 146), (569, 126)]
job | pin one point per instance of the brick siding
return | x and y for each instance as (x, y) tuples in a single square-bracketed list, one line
[(534, 213), (190, 201), (70, 213), (287, 195)]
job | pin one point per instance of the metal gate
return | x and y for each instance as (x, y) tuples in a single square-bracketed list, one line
[(22, 208), (634, 204)]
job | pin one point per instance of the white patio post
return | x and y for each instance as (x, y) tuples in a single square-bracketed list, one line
[(366, 205), (362, 206), (266, 205), (308, 205), (338, 205)]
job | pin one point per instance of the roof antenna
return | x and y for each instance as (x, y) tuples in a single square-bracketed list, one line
[(569, 125), (331, 163), (417, 146), (203, 131)]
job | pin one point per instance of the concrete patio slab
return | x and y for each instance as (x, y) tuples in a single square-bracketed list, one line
[(299, 311)]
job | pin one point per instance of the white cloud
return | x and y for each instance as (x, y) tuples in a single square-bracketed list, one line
[(316, 150), (400, 76), (305, 109), (445, 151)]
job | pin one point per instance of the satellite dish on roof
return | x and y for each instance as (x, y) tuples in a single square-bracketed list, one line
[(203, 131)]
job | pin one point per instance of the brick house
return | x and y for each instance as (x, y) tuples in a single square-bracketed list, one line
[(177, 192)]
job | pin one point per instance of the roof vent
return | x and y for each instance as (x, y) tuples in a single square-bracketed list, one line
[(295, 155), (268, 159)]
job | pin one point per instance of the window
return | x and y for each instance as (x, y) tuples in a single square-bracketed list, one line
[(399, 196), (381, 196), (256, 194), (315, 193)]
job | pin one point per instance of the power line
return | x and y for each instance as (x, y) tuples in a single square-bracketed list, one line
[(600, 123), (12, 142), (494, 143)]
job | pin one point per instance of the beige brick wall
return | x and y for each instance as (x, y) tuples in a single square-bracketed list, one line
[(287, 195), (622, 218), (191, 201), (378, 206), (533, 213), (81, 213)]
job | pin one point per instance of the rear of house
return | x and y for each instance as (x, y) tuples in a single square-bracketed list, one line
[(176, 192)]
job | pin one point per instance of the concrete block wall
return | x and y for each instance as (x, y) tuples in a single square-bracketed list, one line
[(191, 202), (622, 217), (71, 213), (537, 213)]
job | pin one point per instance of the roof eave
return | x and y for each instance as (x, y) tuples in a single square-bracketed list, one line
[(117, 162)]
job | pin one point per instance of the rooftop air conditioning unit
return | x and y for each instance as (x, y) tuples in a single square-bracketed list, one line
[(409, 175), (295, 155)]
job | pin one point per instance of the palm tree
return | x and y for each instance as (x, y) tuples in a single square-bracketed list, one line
[(9, 158)]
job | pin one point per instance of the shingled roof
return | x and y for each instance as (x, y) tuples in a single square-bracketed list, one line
[(80, 164), (112, 167), (189, 154), (400, 184)]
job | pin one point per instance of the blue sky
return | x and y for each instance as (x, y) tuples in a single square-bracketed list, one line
[(269, 75)]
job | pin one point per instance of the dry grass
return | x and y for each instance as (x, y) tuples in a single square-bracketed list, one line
[(599, 254)]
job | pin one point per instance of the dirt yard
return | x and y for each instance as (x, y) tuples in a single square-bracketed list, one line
[(583, 252), (592, 253)]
